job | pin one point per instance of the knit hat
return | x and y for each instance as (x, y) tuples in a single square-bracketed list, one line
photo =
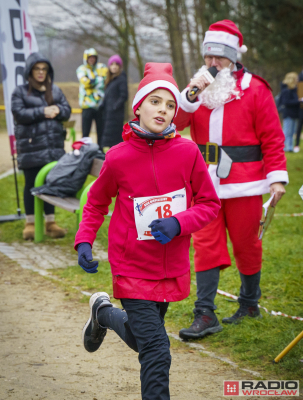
[(223, 39), (156, 76), (115, 58)]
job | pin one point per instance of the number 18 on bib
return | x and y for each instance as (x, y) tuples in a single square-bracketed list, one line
[(147, 209)]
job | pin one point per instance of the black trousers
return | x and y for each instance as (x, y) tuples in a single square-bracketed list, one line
[(207, 285), (88, 115), (141, 327), (29, 200)]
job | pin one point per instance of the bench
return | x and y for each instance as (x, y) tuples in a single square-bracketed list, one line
[(71, 204)]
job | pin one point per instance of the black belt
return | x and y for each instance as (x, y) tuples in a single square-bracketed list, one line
[(210, 153)]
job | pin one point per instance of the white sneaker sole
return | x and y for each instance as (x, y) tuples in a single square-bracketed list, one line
[(92, 300)]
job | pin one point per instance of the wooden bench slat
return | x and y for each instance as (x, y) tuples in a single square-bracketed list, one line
[(70, 204), (96, 167)]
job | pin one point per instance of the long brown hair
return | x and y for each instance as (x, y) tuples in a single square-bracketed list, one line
[(32, 83), (110, 76)]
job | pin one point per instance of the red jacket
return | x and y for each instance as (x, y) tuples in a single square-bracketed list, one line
[(135, 169), (249, 119)]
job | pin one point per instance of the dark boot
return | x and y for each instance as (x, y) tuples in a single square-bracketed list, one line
[(243, 311), (205, 322)]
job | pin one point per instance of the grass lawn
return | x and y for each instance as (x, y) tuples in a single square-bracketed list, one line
[(252, 344)]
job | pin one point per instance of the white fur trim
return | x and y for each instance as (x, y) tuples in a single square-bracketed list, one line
[(186, 105), (245, 189), (215, 136), (254, 188), (150, 87), (245, 83), (242, 49), (277, 176), (216, 125), (222, 38)]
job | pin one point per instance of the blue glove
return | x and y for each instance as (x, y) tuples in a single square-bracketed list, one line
[(85, 258), (165, 229), (92, 82)]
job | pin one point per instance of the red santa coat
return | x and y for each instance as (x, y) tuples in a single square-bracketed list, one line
[(248, 119)]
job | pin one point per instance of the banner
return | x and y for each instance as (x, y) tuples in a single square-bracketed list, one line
[(17, 43)]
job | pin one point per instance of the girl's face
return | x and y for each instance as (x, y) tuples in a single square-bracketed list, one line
[(114, 68), (39, 72), (157, 111)]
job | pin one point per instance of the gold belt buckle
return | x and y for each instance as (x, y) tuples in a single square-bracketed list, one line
[(207, 153)]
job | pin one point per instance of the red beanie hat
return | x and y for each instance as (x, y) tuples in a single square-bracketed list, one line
[(156, 76)]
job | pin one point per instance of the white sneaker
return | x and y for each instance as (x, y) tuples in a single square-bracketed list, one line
[(93, 333), (296, 149)]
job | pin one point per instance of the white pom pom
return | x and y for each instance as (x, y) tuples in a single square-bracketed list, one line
[(242, 49), (76, 152)]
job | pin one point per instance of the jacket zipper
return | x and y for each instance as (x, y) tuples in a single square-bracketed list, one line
[(152, 154)]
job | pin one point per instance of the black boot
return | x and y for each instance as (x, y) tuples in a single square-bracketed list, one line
[(243, 311), (205, 322)]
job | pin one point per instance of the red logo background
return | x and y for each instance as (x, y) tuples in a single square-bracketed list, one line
[(231, 388)]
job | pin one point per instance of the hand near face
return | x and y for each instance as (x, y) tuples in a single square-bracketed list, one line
[(51, 111)]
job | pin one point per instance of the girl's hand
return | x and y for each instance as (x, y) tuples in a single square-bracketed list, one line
[(51, 111), (85, 258)]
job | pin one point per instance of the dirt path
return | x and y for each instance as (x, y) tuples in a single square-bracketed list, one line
[(42, 356)]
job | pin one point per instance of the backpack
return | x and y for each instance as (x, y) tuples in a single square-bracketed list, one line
[(69, 174)]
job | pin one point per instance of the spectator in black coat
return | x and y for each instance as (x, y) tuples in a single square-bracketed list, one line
[(300, 122), (39, 107), (115, 96), (289, 99)]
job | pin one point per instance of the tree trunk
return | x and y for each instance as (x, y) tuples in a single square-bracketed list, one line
[(175, 33)]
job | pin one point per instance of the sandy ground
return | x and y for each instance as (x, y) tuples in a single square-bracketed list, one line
[(42, 356)]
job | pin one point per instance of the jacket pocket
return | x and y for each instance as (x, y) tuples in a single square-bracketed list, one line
[(143, 258)]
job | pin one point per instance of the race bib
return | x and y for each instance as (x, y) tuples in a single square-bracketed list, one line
[(146, 209)]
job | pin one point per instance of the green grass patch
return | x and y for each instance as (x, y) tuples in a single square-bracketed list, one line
[(2, 121), (253, 343), (12, 231)]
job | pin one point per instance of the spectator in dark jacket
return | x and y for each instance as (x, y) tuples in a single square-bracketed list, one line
[(39, 107), (289, 98), (300, 122), (115, 96)]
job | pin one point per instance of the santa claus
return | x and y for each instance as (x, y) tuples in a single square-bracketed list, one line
[(235, 123)]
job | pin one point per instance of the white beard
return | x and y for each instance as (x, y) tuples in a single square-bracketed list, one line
[(218, 92)]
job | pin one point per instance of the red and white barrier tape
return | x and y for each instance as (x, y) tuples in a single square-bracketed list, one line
[(275, 313), (269, 312), (289, 215)]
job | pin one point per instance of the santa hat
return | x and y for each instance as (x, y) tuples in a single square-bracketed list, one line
[(156, 76), (223, 39)]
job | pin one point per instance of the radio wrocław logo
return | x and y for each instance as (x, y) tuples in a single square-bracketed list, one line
[(261, 388)]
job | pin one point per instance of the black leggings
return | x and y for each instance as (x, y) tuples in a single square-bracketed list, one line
[(88, 115), (30, 176)]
